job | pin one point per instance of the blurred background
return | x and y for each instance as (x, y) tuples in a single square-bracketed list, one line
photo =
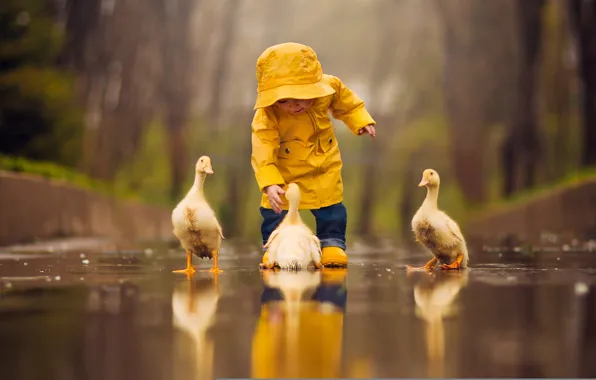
[(123, 96)]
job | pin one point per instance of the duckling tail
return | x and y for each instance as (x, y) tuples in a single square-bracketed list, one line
[(293, 197)]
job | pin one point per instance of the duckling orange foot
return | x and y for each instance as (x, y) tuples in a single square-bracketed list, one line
[(454, 265), (189, 271), (428, 266), (215, 268)]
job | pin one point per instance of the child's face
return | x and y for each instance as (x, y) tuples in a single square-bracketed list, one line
[(294, 106)]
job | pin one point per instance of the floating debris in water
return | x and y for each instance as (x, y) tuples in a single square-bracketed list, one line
[(581, 288), (57, 278), (82, 279), (85, 261), (148, 252), (25, 264), (500, 254), (82, 256), (511, 278), (517, 249), (566, 247), (558, 259)]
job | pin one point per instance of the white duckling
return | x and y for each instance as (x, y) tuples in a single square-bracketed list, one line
[(293, 245), (436, 230), (194, 221)]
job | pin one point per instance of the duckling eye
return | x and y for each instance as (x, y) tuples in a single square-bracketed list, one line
[(431, 173)]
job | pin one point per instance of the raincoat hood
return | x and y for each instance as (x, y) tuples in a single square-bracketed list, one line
[(289, 70)]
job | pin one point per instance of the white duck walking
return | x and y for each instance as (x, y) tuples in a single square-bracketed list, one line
[(194, 221), (293, 245), (436, 230)]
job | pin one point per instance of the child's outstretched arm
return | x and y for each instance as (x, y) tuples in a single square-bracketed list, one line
[(265, 145), (349, 108)]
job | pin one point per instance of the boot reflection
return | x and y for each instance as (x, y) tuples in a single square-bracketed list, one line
[(434, 295), (194, 304), (299, 333)]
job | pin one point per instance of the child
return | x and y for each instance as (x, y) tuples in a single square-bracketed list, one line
[(293, 141)]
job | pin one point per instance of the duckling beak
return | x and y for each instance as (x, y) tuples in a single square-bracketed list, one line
[(209, 170), (424, 182)]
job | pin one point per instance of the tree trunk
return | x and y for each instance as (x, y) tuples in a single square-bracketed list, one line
[(473, 85), (372, 152), (583, 23), (228, 30), (176, 86), (521, 150)]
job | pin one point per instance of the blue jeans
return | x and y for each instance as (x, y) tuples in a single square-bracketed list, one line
[(336, 294), (331, 224)]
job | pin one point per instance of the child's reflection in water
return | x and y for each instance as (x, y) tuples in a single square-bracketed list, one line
[(300, 329)]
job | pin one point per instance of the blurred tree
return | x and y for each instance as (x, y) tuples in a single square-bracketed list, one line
[(521, 148), (177, 89), (39, 116), (118, 66), (582, 15), (558, 88), (227, 30), (475, 75), (373, 150)]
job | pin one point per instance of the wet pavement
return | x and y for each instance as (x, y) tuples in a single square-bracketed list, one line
[(98, 311)]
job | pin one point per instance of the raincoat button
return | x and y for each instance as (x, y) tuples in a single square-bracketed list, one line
[(287, 150)]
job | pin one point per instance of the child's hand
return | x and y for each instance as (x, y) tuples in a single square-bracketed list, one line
[(370, 129), (273, 192)]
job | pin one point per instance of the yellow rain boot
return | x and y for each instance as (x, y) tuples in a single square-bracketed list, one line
[(334, 257), (333, 276)]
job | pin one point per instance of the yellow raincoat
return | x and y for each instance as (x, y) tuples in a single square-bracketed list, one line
[(301, 148)]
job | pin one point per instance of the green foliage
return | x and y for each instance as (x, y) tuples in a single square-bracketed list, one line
[(148, 173), (28, 34), (39, 115), (569, 181), (57, 172)]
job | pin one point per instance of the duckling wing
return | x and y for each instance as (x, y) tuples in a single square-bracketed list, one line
[(271, 238), (454, 228), (218, 226), (451, 234)]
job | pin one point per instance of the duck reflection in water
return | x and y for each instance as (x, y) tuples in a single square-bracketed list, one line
[(194, 304), (434, 295), (299, 332)]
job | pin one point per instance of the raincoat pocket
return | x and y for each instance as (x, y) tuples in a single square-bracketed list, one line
[(293, 150), (326, 141), (292, 159)]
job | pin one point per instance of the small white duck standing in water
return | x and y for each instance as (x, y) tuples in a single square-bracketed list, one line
[(293, 245), (195, 224), (437, 231)]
